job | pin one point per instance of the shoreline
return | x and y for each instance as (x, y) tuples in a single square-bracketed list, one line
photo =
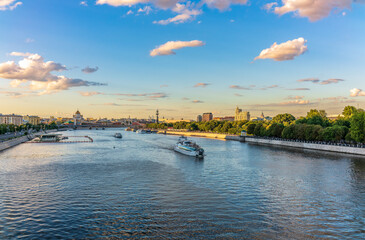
[(325, 148)]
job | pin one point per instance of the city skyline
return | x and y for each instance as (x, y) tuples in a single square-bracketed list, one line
[(115, 58)]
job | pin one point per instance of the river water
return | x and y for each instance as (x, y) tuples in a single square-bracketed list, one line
[(139, 187)]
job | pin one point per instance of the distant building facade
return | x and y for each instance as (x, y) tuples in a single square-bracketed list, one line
[(11, 119), (34, 120), (78, 118), (241, 115), (207, 117), (199, 118), (229, 118)]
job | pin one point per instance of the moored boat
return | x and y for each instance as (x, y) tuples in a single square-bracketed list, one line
[(189, 148)]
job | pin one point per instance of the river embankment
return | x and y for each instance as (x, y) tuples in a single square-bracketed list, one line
[(307, 145), (14, 142), (274, 142)]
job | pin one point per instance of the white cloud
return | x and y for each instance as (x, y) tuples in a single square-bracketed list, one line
[(185, 12), (9, 5), (284, 51), (224, 4), (146, 10), (167, 48), (355, 92), (314, 10), (129, 12), (36, 74), (83, 3)]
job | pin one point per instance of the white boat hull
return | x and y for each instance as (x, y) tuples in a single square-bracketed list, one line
[(187, 152)]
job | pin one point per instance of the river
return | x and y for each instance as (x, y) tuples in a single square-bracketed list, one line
[(138, 186)]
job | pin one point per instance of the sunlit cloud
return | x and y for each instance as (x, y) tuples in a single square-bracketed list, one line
[(197, 101), (9, 5), (201, 85), (90, 69), (312, 80), (355, 92), (238, 95), (284, 51), (164, 85), (314, 10), (36, 74), (167, 48), (332, 80), (89, 94)]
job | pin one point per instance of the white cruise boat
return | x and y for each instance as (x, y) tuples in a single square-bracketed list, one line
[(188, 147), (118, 135)]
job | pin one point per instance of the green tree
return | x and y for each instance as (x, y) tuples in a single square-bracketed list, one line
[(357, 129), (275, 130), (251, 128), (315, 112), (348, 111), (289, 132), (284, 119)]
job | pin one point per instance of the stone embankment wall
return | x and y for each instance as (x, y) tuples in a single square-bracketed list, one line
[(13, 142), (312, 146)]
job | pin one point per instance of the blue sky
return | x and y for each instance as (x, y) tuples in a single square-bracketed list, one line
[(104, 36)]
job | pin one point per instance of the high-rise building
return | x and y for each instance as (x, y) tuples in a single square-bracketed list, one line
[(34, 120), (241, 115), (157, 113), (11, 119), (199, 118), (207, 117)]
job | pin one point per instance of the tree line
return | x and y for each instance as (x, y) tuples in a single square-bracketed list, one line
[(5, 128), (349, 127)]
